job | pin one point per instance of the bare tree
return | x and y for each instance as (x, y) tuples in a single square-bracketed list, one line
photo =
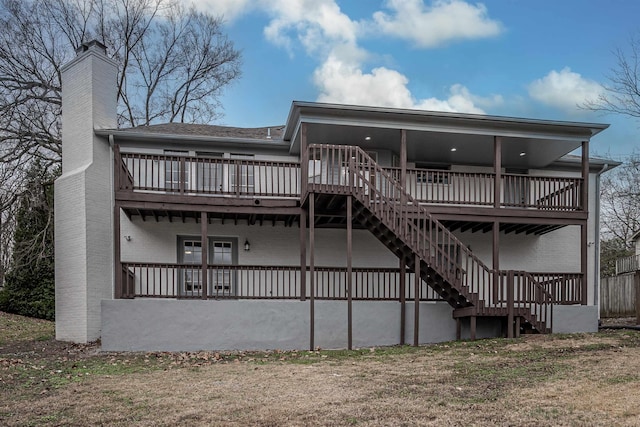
[(173, 64), (620, 201), (622, 90)]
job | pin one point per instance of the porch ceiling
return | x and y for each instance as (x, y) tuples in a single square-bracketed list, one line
[(436, 147), (159, 215), (431, 135)]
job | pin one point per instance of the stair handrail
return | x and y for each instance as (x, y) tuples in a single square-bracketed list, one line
[(477, 281)]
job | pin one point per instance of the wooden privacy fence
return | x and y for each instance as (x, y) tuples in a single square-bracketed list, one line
[(618, 296)]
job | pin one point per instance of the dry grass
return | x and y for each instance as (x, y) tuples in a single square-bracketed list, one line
[(590, 379), (15, 329)]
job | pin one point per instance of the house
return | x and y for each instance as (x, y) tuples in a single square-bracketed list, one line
[(347, 226), (631, 263)]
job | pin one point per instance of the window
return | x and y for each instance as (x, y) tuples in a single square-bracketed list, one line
[(221, 279), (173, 170), (209, 172), (435, 174), (221, 255), (191, 277), (242, 174)]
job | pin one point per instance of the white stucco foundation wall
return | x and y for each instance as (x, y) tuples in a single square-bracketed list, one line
[(172, 325), (575, 318)]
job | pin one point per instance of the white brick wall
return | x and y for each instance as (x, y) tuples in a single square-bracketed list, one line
[(83, 197)]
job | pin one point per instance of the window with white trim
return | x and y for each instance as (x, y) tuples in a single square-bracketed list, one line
[(173, 169), (242, 174)]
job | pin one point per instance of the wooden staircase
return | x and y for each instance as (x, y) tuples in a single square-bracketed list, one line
[(382, 205)]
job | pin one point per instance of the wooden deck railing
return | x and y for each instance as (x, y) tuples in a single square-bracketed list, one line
[(541, 192), (162, 280), (209, 176), (477, 189), (350, 170), (565, 288), (447, 187), (250, 178), (628, 264)]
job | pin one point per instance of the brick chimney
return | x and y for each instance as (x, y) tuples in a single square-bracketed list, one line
[(84, 194)]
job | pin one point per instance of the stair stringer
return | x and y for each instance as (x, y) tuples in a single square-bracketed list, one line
[(408, 229)]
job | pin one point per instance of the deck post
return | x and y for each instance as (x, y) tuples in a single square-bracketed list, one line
[(349, 271), (312, 283), (117, 253), (636, 282), (458, 328), (510, 303), (583, 227), (472, 328), (416, 299), (403, 305), (303, 255), (403, 178), (403, 158), (304, 161), (183, 175), (204, 231), (497, 169), (117, 167), (496, 260)]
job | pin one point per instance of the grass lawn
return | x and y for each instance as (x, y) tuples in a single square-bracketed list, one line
[(582, 379)]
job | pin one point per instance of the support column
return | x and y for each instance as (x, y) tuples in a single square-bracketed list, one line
[(204, 232), (584, 246), (304, 161), (583, 227), (636, 282), (416, 300), (403, 305), (403, 178), (496, 259), (510, 302), (349, 271), (472, 328), (117, 253), (497, 169), (303, 255), (403, 157), (312, 282)]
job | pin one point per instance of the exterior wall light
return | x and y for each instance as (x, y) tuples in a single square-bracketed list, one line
[(454, 149), (247, 246), (127, 238)]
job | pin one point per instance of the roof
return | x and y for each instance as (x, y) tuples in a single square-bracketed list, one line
[(180, 134), (408, 118), (266, 133)]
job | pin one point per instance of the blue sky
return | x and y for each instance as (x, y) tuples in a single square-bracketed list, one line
[(517, 58)]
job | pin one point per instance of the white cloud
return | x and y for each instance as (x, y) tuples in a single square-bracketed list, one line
[(319, 25), (564, 90), (431, 26), (383, 87), (325, 32), (230, 9)]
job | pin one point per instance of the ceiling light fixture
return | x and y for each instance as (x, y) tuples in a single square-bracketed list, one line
[(522, 154), (454, 149), (367, 138)]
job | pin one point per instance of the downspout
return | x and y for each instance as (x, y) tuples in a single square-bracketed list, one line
[(596, 267)]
